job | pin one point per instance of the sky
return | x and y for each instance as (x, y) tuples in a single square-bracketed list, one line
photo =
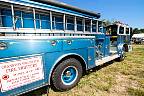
[(127, 11)]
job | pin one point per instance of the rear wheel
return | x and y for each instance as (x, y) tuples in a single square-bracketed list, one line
[(67, 74)]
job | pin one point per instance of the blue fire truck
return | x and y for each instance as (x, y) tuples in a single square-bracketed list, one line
[(50, 43)]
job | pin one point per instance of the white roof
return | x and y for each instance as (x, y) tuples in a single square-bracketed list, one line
[(138, 35)]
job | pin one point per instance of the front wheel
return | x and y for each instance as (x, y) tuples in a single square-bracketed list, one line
[(67, 74), (123, 55)]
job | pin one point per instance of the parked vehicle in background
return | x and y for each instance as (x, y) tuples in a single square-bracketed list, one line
[(138, 38)]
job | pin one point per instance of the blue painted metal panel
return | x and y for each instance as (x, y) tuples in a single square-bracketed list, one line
[(77, 43), (91, 57), (100, 40), (107, 46), (25, 47)]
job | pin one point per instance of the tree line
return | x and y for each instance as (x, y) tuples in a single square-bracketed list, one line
[(138, 31)]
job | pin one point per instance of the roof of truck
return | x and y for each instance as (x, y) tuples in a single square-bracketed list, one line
[(66, 6)]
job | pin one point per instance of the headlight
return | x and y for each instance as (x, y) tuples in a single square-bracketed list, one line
[(3, 45)]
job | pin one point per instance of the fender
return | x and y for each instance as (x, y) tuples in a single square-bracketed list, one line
[(59, 59)]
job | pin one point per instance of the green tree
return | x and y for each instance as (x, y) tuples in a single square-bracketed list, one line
[(136, 31), (141, 30), (106, 22)]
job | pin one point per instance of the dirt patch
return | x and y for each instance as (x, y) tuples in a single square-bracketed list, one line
[(122, 83)]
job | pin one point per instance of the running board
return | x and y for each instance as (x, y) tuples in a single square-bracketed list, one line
[(106, 59)]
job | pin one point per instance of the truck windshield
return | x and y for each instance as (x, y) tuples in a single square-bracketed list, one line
[(112, 30)]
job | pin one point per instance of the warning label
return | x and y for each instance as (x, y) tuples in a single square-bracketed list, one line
[(17, 73)]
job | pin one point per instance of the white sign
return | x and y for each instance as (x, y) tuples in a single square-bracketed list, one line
[(21, 72)]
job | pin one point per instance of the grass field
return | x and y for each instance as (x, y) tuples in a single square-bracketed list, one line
[(124, 78)]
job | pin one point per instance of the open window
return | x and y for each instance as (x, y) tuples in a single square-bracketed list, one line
[(69, 22), (127, 31), (112, 30), (57, 21), (80, 24), (28, 18), (88, 25), (94, 26), (42, 19), (131, 32), (100, 26)]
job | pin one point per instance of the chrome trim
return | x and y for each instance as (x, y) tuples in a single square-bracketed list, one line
[(42, 37), (75, 24), (51, 25), (13, 18), (74, 78), (3, 46), (106, 59), (46, 31), (91, 26), (34, 15)]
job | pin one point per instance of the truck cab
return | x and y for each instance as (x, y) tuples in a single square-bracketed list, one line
[(120, 35)]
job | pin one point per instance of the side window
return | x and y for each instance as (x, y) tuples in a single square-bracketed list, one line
[(87, 25), (79, 24), (113, 30), (70, 23), (121, 30), (131, 32), (94, 25), (127, 30), (100, 28)]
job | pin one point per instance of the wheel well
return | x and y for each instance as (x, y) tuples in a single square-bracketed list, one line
[(83, 63), (125, 47)]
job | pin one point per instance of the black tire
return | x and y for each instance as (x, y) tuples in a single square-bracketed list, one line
[(58, 82), (122, 57)]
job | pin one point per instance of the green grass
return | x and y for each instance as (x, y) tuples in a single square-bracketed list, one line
[(124, 78)]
